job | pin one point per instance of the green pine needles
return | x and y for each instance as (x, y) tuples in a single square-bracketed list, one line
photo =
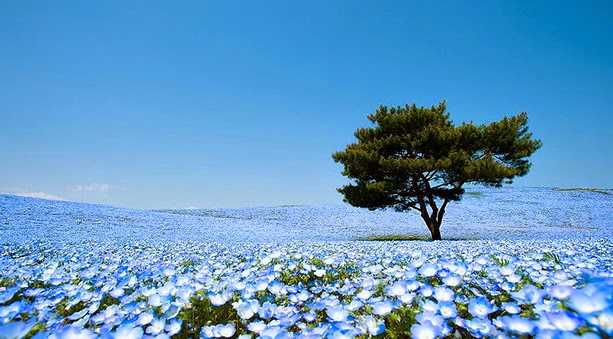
[(416, 158)]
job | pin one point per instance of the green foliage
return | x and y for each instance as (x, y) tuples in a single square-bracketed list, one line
[(606, 191), (550, 256), (108, 300), (416, 158), (499, 261), (201, 312), (475, 194), (399, 321), (393, 237), (408, 237)]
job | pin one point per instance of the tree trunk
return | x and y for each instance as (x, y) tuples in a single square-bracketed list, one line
[(436, 232), (435, 228)]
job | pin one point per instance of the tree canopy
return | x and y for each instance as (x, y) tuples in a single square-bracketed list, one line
[(416, 158)]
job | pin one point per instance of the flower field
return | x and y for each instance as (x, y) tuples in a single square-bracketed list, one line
[(522, 263)]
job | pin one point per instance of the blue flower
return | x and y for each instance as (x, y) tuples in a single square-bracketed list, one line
[(337, 313), (443, 294), (517, 324), (173, 327), (374, 327), (564, 320), (397, 289), (447, 309), (452, 279), (584, 303), (382, 308), (480, 307), (529, 294), (479, 327), (128, 332), (16, 329), (425, 331), (511, 308), (428, 270)]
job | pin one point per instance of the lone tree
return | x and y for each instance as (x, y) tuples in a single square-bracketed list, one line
[(416, 158)]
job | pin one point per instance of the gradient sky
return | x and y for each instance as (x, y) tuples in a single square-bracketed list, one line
[(155, 104)]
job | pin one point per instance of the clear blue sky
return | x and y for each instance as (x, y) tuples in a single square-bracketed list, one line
[(240, 103)]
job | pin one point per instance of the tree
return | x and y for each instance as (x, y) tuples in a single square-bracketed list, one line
[(416, 158)]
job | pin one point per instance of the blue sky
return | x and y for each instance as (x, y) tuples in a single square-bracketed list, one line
[(156, 104)]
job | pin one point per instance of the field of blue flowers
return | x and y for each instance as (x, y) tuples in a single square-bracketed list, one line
[(519, 263)]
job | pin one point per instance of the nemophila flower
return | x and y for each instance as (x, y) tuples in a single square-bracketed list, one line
[(559, 276), (267, 310), (529, 294), (479, 327), (407, 297), (309, 316), (425, 331), (7, 294), (207, 332), (428, 270), (219, 299), (412, 285), (147, 291), (417, 261), (517, 324), (273, 332), (72, 332), (507, 270), (76, 315), (447, 309), (429, 305), (560, 292), (368, 283), (563, 320), (431, 317), (145, 318), (184, 293), (173, 327), (303, 295), (276, 288), (167, 289), (256, 326), (364, 294), (398, 288), (337, 313), (373, 326), (382, 308), (319, 272), (261, 284), (157, 326), (12, 310), (459, 267), (16, 329), (426, 290), (511, 308), (128, 332), (480, 307), (584, 303), (246, 309), (604, 321), (452, 279), (154, 300), (225, 331), (514, 278), (443, 294), (354, 305), (342, 334)]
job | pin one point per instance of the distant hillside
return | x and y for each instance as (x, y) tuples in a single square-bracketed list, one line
[(484, 213)]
